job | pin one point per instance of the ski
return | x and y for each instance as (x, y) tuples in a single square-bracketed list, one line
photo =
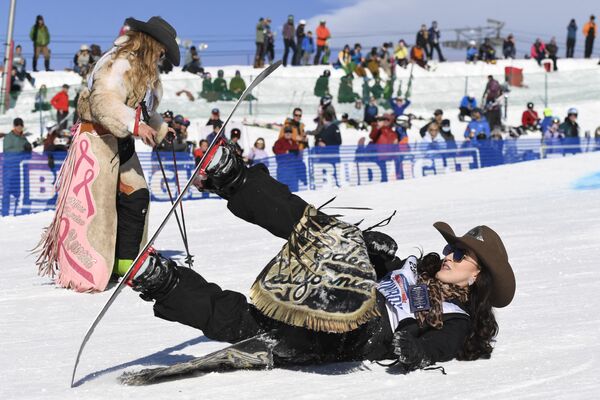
[(253, 353), (265, 73)]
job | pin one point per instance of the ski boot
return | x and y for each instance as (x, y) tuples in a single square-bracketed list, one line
[(155, 277), (222, 171)]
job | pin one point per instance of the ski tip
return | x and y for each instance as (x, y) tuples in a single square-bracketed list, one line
[(274, 66)]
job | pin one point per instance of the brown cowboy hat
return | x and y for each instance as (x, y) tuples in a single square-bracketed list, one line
[(160, 30), (490, 251)]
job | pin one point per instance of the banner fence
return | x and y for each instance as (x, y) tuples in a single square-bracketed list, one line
[(28, 179)]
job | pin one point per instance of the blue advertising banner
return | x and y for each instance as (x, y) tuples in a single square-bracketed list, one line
[(28, 179)]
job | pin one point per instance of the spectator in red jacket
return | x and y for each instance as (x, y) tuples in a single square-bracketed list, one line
[(286, 144), (538, 51), (382, 131), (530, 118), (323, 35), (60, 102)]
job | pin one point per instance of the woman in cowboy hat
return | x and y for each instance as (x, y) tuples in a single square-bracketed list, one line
[(334, 292), (102, 207)]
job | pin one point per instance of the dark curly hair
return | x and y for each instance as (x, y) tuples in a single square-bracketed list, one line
[(484, 328)]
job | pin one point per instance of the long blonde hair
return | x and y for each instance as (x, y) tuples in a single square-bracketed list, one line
[(143, 53)]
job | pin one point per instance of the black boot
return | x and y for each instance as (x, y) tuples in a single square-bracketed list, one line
[(226, 176), (47, 65), (34, 64), (158, 279)]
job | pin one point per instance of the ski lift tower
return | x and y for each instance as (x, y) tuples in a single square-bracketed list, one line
[(492, 31)]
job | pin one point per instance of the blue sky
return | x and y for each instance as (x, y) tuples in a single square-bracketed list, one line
[(228, 26)]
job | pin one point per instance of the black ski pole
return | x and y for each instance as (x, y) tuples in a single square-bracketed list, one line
[(189, 258)]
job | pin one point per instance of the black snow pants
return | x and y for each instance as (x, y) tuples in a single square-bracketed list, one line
[(226, 315)]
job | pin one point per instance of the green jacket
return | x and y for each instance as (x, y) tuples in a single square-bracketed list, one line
[(219, 85), (260, 33), (43, 36), (237, 85), (14, 143), (322, 86)]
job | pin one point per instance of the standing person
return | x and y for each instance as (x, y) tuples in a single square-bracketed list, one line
[(571, 37), (104, 197), (300, 35), (269, 41), (15, 145), (493, 97), (297, 126), (434, 41), (60, 102), (382, 131), (259, 56), (330, 134), (589, 31), (308, 48), (422, 39), (288, 33), (377, 317), (40, 37), (323, 35)]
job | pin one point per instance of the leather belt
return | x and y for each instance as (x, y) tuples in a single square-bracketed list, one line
[(87, 126)]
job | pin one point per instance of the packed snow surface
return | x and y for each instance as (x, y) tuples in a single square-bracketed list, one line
[(547, 347)]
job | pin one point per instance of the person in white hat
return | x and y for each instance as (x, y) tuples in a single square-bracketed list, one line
[(82, 60)]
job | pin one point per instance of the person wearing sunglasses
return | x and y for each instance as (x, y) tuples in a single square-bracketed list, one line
[(105, 193), (297, 126), (335, 292)]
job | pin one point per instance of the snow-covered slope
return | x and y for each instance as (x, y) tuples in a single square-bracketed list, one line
[(547, 346), (576, 84)]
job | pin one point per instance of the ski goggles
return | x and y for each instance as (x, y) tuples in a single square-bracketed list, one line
[(458, 254)]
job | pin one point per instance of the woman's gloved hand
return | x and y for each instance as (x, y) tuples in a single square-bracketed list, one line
[(409, 351)]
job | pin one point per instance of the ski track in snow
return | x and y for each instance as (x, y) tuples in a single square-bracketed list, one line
[(547, 346)]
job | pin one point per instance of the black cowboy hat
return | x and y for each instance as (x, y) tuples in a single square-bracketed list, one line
[(160, 30), (491, 253)]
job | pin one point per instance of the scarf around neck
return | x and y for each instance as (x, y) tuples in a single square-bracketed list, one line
[(438, 293)]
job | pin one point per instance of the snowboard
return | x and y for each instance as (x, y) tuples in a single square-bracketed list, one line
[(253, 353)]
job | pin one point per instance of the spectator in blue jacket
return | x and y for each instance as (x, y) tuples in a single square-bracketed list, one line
[(467, 104), (472, 52), (371, 111), (356, 54), (477, 126), (399, 105), (571, 37), (308, 48)]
